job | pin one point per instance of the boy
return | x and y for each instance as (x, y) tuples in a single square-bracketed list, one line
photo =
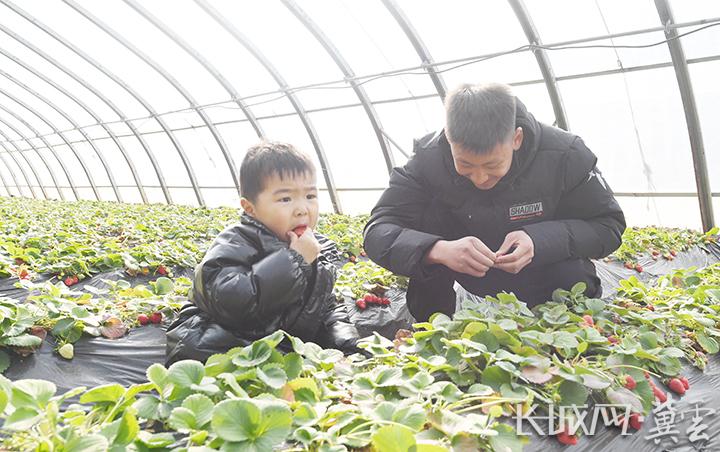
[(268, 272)]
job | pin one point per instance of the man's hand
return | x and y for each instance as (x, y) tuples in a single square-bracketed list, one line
[(467, 255), (307, 245), (524, 251)]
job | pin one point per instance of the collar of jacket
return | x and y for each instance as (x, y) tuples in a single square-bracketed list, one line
[(522, 158)]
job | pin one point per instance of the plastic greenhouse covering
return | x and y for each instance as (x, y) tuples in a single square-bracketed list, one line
[(123, 124)]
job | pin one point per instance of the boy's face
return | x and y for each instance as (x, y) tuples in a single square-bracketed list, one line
[(285, 203)]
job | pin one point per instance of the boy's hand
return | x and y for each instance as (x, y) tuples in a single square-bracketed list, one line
[(306, 244), (467, 255)]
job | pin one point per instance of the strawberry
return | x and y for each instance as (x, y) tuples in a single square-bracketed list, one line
[(67, 351), (655, 253), (636, 421), (300, 230), (156, 317), (361, 304), (23, 274), (143, 319), (386, 301), (685, 382), (676, 386), (630, 382), (353, 259), (363, 253), (369, 298), (75, 279), (659, 394), (650, 307), (68, 281), (566, 439), (638, 268), (162, 270), (613, 339), (673, 253), (588, 320), (629, 265)]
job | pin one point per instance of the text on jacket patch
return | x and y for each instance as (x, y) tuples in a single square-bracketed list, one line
[(524, 211)]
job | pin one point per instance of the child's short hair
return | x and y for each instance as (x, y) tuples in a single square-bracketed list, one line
[(268, 158)]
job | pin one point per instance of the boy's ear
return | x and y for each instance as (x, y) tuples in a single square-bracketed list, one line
[(247, 206)]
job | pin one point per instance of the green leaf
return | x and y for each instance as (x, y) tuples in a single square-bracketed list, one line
[(394, 438), (158, 374), (201, 406), (506, 439), (649, 340), (147, 407), (709, 344), (4, 363), (495, 377), (572, 393), (106, 393), (272, 375), (128, 430), (164, 286), (186, 373), (595, 305), (32, 393), (245, 421), (86, 443), (293, 365), (623, 396), (24, 340), (183, 420), (253, 355), (22, 419)]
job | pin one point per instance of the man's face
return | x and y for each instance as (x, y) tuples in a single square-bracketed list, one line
[(285, 204), (486, 170)]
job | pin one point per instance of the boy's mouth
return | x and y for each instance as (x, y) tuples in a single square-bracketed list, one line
[(299, 230)]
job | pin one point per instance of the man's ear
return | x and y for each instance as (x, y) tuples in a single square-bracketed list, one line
[(517, 139), (247, 206)]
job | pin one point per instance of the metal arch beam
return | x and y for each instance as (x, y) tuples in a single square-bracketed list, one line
[(702, 179), (22, 171), (334, 53), (12, 174), (543, 61), (50, 104), (20, 151), (37, 151), (4, 182), (422, 51), (32, 168), (197, 56), (50, 148), (143, 102), (280, 80), (168, 77), (71, 74)]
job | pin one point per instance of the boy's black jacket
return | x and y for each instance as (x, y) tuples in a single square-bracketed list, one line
[(249, 285)]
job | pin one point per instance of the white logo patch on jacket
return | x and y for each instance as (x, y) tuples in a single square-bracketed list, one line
[(523, 211)]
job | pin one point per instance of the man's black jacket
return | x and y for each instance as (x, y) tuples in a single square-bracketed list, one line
[(553, 191), (249, 285)]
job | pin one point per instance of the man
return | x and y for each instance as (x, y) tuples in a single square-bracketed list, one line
[(497, 202)]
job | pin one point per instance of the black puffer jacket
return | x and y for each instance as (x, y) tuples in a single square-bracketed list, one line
[(249, 285), (553, 191)]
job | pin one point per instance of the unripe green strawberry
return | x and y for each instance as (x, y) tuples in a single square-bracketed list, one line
[(67, 351)]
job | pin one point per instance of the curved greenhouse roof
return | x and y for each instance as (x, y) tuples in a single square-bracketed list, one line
[(157, 101)]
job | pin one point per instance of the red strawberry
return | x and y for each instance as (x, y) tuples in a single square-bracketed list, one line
[(636, 421), (650, 307), (613, 339), (23, 274), (566, 439), (386, 301), (659, 394), (156, 317), (68, 281), (353, 259), (162, 270), (588, 320), (638, 268), (676, 386), (629, 265), (361, 304), (369, 298), (685, 382), (655, 252), (647, 377), (363, 253), (143, 319), (673, 253), (630, 382), (75, 279)]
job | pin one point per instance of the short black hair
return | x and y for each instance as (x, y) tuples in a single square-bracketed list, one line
[(268, 158)]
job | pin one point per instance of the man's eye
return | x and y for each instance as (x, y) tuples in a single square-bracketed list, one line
[(311, 196), (285, 199)]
